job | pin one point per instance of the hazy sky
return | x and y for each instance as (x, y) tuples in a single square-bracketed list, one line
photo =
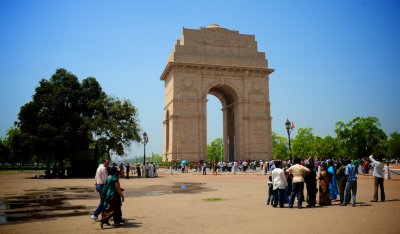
[(333, 60)]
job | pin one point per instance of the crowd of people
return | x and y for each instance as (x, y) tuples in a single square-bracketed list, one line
[(148, 170), (332, 180), (286, 182), (220, 166)]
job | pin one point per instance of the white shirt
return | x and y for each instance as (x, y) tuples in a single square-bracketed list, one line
[(101, 175), (378, 167), (279, 179)]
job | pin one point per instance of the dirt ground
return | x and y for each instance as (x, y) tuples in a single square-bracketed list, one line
[(193, 203)]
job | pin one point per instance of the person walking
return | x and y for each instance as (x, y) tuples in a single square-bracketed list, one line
[(139, 172), (113, 197), (100, 180), (379, 177), (264, 166), (214, 168), (351, 185), (127, 169), (298, 171), (235, 167), (204, 169)]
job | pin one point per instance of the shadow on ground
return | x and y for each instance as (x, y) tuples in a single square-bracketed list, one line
[(54, 202)]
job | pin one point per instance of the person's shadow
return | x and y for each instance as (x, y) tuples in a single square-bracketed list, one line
[(129, 223), (392, 200)]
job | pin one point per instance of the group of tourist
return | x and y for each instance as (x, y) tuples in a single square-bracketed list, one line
[(111, 195), (222, 166), (110, 192), (148, 170), (286, 182)]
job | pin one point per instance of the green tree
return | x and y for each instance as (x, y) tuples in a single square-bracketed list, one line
[(215, 150), (361, 136), (156, 158), (5, 152), (324, 147), (280, 147), (52, 121), (303, 143), (17, 145), (116, 126), (66, 116), (393, 145)]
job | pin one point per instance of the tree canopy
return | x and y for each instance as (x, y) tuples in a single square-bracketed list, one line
[(361, 136), (116, 126), (358, 138), (215, 150), (393, 145), (280, 147), (66, 116)]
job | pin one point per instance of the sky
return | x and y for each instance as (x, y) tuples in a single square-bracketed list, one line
[(333, 60)]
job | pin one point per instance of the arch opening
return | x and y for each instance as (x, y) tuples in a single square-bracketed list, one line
[(228, 98)]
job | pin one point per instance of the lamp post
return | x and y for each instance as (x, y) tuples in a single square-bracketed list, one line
[(289, 130), (145, 140)]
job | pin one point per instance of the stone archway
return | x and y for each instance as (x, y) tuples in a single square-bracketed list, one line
[(229, 100), (226, 64)]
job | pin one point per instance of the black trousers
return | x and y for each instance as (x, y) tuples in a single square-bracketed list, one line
[(379, 182)]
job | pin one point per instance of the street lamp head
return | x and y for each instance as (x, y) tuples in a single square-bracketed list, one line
[(289, 128), (288, 125), (145, 138)]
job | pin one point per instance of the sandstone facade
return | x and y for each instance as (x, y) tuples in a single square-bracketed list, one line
[(222, 62)]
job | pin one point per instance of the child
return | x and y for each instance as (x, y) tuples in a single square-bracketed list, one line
[(270, 192)]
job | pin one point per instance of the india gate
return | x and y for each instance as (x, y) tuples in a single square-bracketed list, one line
[(227, 64)]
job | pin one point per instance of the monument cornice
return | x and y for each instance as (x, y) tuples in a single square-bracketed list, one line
[(216, 70)]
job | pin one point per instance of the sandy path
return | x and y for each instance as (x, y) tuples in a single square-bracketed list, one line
[(241, 210)]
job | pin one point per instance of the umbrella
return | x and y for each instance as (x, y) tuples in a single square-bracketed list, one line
[(184, 161)]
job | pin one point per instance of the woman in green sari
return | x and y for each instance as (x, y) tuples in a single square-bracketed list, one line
[(113, 198)]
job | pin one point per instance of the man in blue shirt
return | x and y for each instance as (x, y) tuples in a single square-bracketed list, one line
[(351, 185)]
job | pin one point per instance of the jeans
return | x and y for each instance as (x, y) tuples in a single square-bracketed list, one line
[(297, 189), (100, 207), (270, 198), (350, 186), (379, 181), (279, 196)]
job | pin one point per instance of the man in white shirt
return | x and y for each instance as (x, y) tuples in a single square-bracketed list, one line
[(298, 171), (279, 183), (100, 181), (379, 177)]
